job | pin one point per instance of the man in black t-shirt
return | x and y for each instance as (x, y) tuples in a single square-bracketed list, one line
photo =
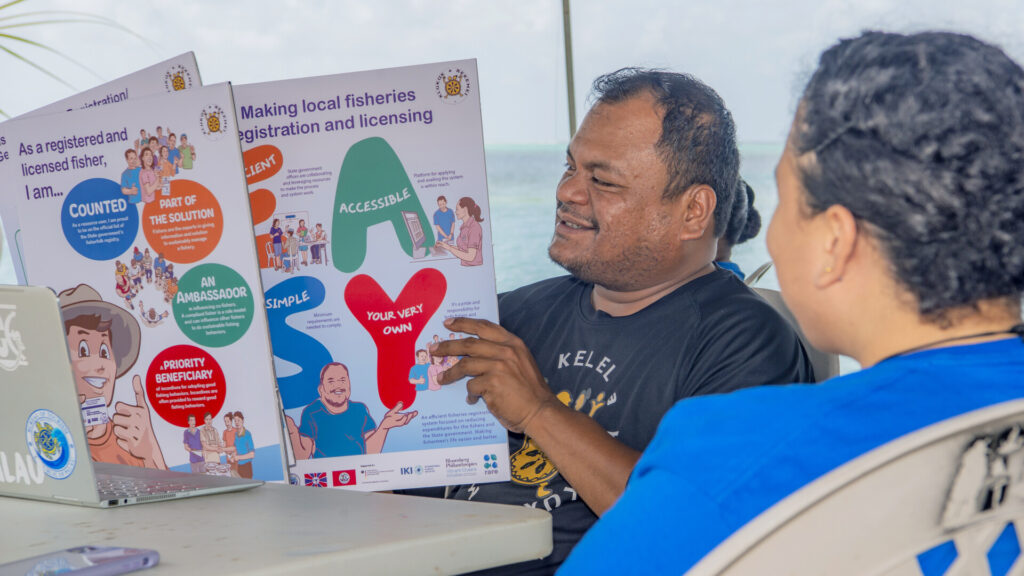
[(583, 367)]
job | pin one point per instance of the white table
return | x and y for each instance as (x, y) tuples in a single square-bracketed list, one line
[(277, 529)]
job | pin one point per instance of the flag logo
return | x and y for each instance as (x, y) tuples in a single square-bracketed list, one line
[(344, 477), (316, 479)]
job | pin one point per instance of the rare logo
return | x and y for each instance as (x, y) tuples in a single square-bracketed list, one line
[(12, 350), (177, 78), (49, 440), (213, 122), (452, 86)]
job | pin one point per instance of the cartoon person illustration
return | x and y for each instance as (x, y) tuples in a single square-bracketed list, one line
[(291, 252), (130, 184), (319, 242), (468, 246), (194, 446), (136, 276), (149, 317), (303, 234), (335, 425), (210, 440), (122, 284), (418, 374), (188, 153), (103, 340), (147, 266), (159, 269), (277, 235), (142, 142), (228, 441), (170, 289), (444, 221), (437, 366), (166, 166), (173, 153), (147, 175), (244, 449)]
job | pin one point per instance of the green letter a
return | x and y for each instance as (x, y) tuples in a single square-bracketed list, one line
[(373, 188)]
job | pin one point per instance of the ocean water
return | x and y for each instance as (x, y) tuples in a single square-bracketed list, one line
[(522, 182)]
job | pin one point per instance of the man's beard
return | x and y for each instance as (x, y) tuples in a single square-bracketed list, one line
[(334, 404)]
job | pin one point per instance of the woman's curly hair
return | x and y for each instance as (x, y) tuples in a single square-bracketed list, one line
[(921, 137)]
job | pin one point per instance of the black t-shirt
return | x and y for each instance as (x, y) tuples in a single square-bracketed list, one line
[(711, 335)]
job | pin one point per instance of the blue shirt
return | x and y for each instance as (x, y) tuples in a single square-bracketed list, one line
[(719, 461), (444, 220), (244, 445), (172, 155), (732, 267), (420, 371), (194, 443), (129, 179), (337, 434)]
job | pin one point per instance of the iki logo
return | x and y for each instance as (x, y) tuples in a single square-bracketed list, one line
[(406, 470), (12, 350)]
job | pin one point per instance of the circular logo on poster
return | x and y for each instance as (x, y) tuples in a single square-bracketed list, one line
[(452, 86), (213, 122), (177, 78), (49, 440), (344, 478)]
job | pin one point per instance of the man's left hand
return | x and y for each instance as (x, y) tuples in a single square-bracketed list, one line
[(394, 418), (502, 371)]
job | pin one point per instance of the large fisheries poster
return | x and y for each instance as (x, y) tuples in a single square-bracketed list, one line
[(369, 199), (171, 75), (148, 243)]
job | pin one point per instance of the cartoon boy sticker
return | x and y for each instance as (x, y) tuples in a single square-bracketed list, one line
[(103, 340)]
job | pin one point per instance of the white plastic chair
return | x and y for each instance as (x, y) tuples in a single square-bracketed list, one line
[(826, 365), (934, 502)]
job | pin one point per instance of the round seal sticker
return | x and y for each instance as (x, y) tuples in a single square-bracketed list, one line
[(49, 439)]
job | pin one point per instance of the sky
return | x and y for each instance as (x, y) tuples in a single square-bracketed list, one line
[(755, 54)]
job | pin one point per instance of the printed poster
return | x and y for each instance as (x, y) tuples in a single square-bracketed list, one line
[(149, 247), (173, 75), (372, 225)]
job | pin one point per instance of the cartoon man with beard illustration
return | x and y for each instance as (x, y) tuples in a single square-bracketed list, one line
[(103, 340), (335, 426)]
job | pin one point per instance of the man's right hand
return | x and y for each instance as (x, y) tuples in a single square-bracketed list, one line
[(134, 429), (302, 445)]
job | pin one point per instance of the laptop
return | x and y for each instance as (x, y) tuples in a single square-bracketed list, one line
[(44, 453)]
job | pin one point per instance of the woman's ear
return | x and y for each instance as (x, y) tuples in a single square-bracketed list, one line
[(839, 236)]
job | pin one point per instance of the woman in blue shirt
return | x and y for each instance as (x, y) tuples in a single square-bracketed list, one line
[(744, 224), (899, 241)]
